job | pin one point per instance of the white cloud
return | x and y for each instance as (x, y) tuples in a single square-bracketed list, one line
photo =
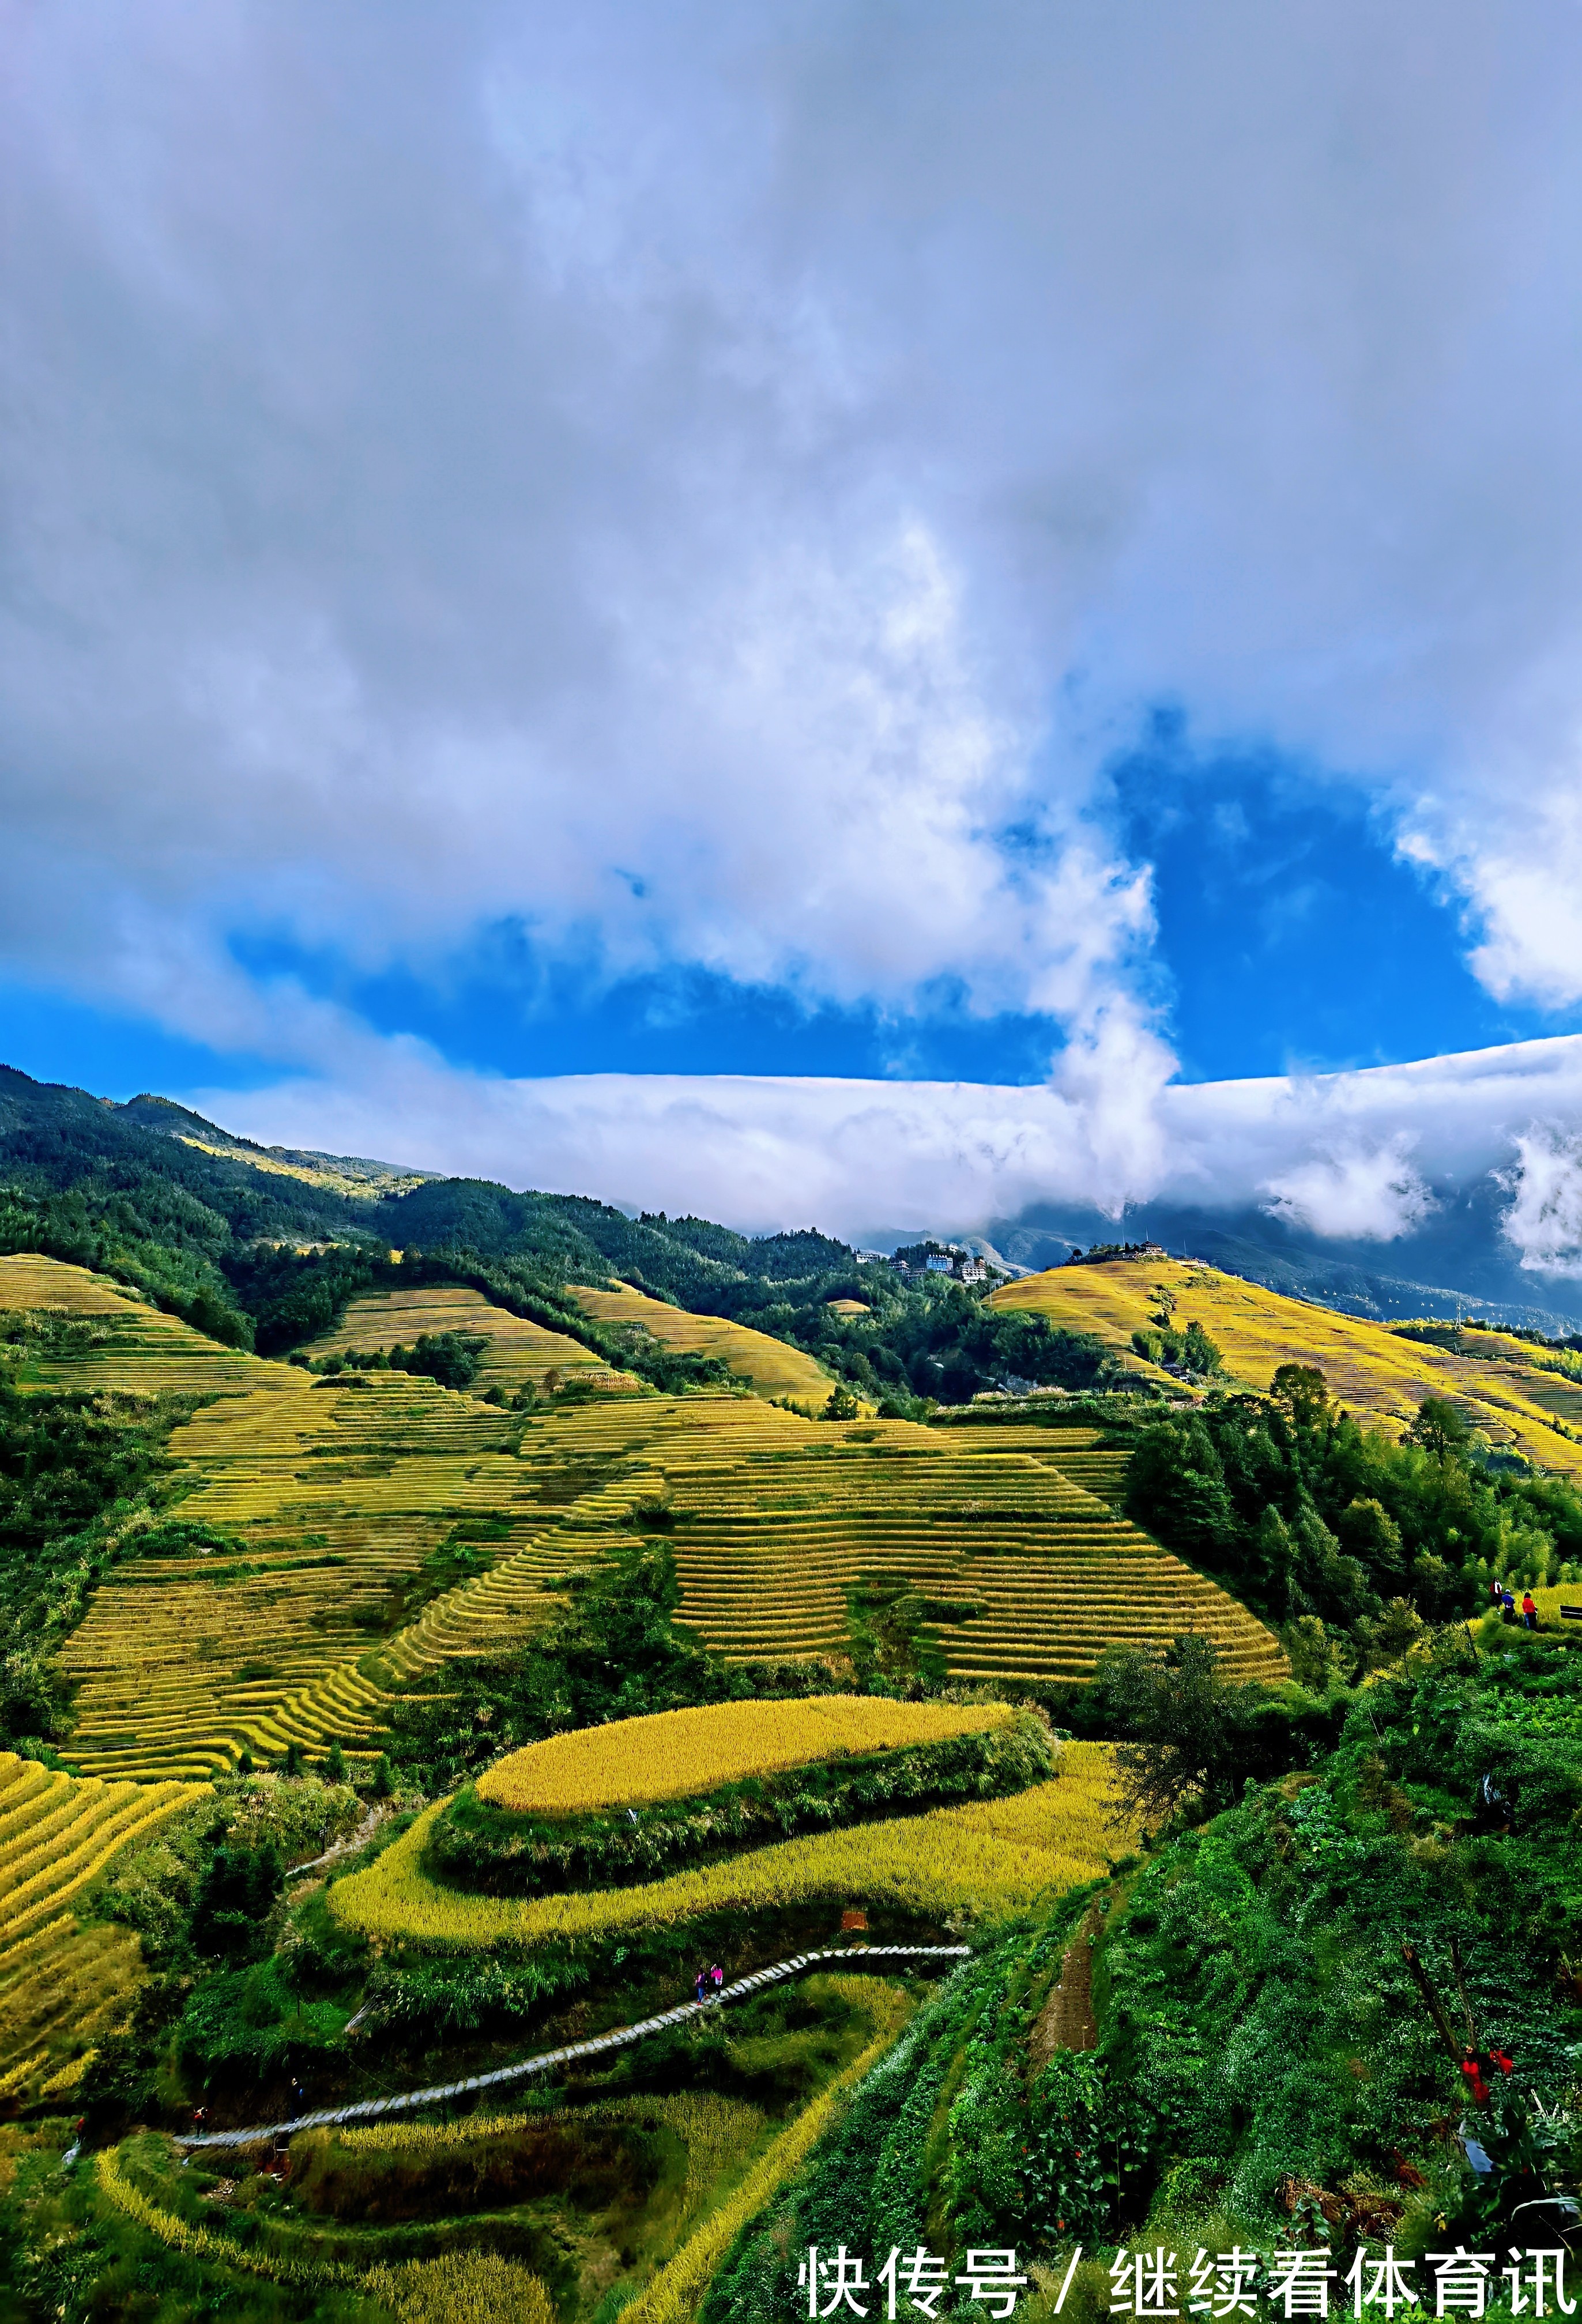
[(1350, 1155), (693, 479), (1364, 1192), (1544, 1220)]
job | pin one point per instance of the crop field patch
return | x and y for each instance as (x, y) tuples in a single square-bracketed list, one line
[(134, 1347), (62, 1983), (992, 1859), (1379, 1376), (520, 1353), (340, 1497), (773, 1369), (675, 1753)]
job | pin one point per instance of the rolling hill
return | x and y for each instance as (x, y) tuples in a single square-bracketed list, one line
[(350, 1534), (1517, 1395)]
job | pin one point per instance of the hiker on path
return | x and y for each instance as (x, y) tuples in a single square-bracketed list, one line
[(1493, 1592), (1507, 1607), (702, 1980), (716, 1979), (1529, 1610)]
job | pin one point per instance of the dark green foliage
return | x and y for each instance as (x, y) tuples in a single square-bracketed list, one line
[(478, 1845), (215, 1240), (253, 2022), (116, 1237), (74, 1469), (238, 1887), (471, 1995), (1190, 1350), (1258, 2002), (451, 1358), (613, 1653), (1303, 1513), (1187, 1731), (885, 2178), (1258, 2022)]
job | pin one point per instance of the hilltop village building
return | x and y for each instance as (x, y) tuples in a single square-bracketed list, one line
[(948, 1258)]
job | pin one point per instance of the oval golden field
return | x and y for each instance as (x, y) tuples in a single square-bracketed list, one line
[(986, 1859), (676, 1753)]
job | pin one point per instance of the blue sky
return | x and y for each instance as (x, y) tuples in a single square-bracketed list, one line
[(1291, 935), (653, 543)]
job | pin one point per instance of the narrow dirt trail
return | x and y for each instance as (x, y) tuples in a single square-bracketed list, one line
[(1065, 2021)]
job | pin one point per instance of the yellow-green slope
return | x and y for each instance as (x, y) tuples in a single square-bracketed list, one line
[(518, 1352), (773, 1368), (1374, 1373)]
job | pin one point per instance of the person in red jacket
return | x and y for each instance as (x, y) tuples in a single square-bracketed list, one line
[(1529, 1611)]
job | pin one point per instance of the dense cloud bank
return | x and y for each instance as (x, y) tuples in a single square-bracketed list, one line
[(1351, 1158), (711, 486)]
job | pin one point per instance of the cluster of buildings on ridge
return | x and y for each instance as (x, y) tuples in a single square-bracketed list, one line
[(917, 1260)]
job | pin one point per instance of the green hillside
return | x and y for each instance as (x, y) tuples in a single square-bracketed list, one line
[(1112, 1812)]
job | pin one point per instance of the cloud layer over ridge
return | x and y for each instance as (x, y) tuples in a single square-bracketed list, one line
[(1349, 1156)]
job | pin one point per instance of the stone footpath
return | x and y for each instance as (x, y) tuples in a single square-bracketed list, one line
[(372, 2110)]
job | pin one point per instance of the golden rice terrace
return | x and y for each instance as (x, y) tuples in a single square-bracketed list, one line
[(373, 1525)]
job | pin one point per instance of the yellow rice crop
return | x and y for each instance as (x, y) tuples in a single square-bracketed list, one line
[(461, 2287), (676, 1753), (204, 2243), (1377, 1375), (673, 2296), (772, 1368), (998, 1856)]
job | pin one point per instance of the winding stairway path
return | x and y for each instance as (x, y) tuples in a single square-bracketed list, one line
[(369, 2110)]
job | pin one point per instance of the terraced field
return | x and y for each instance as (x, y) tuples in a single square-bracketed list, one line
[(1374, 1373), (62, 1984), (1078, 1453), (993, 1857), (382, 1525), (773, 1368), (519, 1353), (87, 1333), (772, 1532), (336, 1497)]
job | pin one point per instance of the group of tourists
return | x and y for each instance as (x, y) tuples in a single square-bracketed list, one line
[(710, 1982), (1502, 1597)]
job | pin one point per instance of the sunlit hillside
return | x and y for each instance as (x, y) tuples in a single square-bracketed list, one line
[(341, 1538), (773, 1368), (71, 1329), (1373, 1370), (518, 1352), (62, 1982)]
